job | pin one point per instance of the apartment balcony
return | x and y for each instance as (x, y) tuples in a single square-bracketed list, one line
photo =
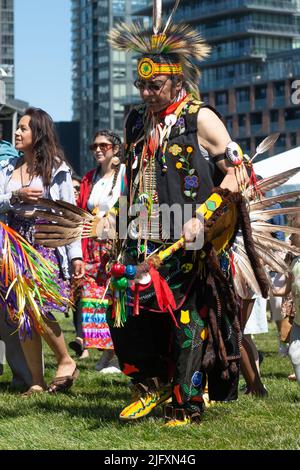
[(279, 102), (283, 30), (274, 127), (243, 106), (242, 132), (241, 29), (212, 9), (292, 125), (236, 54), (261, 104), (222, 109), (256, 128), (272, 73)]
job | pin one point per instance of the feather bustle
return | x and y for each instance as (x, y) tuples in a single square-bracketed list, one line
[(269, 213), (264, 227), (272, 243), (273, 182), (264, 202)]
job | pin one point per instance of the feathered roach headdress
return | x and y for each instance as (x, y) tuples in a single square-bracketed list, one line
[(168, 50)]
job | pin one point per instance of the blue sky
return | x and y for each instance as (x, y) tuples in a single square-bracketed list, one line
[(43, 55)]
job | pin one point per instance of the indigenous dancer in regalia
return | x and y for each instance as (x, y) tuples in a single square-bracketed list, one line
[(174, 311)]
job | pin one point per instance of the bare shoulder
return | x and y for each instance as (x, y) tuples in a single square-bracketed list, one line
[(205, 112), (212, 133), (208, 120)]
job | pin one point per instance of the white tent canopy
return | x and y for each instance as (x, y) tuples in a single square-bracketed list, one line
[(278, 163)]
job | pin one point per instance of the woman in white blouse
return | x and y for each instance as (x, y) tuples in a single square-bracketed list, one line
[(100, 190)]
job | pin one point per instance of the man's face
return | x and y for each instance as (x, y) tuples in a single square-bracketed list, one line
[(159, 92)]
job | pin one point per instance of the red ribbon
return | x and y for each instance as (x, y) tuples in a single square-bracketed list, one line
[(170, 109), (253, 183), (164, 295), (136, 301)]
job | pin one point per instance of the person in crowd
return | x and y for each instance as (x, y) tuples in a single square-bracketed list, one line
[(293, 285), (76, 180), (99, 192), (77, 344), (276, 302), (41, 172), (13, 353), (7, 151), (176, 155), (253, 321), (11, 348)]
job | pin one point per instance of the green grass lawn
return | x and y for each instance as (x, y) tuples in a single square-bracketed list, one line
[(87, 417)]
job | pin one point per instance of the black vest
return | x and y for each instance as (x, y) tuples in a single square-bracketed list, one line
[(191, 172)]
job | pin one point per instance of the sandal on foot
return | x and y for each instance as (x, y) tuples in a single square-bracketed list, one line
[(33, 390), (63, 384)]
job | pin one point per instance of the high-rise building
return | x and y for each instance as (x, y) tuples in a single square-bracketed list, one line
[(251, 75), (102, 78), (6, 50)]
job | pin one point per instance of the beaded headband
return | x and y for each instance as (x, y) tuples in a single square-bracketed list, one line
[(147, 68)]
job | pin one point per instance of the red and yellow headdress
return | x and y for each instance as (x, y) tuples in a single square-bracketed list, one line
[(168, 50)]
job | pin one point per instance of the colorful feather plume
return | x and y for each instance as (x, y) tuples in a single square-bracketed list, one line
[(27, 280), (181, 40)]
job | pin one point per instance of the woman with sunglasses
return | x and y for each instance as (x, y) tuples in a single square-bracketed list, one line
[(100, 190)]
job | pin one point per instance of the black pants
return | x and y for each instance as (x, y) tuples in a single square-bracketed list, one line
[(77, 319), (150, 345)]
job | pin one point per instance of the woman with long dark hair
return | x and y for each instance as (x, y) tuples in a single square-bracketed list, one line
[(41, 172)]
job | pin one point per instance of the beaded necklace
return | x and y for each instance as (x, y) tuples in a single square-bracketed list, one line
[(22, 181), (156, 138)]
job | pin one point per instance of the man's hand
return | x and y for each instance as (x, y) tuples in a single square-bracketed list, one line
[(78, 269), (191, 230), (236, 178), (106, 227)]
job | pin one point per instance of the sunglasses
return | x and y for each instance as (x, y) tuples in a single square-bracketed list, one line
[(152, 86), (103, 147), (76, 188)]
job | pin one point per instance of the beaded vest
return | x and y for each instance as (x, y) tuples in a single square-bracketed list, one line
[(184, 172)]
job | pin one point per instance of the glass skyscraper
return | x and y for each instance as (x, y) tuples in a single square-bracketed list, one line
[(7, 48), (255, 61), (101, 77)]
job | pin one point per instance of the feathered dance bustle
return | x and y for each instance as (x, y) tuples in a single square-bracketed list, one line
[(270, 250)]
